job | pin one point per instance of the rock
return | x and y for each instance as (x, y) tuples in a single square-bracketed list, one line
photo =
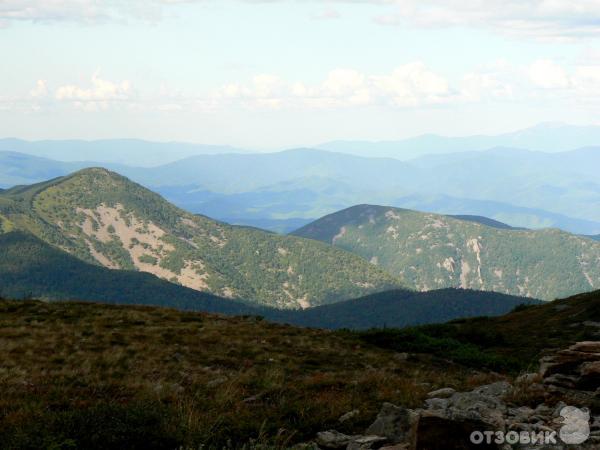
[(349, 415), (396, 447), (437, 403), (590, 368), (560, 380), (543, 410), (558, 408), (333, 439), (441, 393), (573, 374), (397, 424), (521, 414), (437, 430), (366, 442), (476, 406), (498, 389)]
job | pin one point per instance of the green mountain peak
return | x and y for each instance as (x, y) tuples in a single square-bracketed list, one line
[(432, 251), (105, 219)]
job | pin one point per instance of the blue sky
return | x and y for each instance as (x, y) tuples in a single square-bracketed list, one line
[(274, 74)]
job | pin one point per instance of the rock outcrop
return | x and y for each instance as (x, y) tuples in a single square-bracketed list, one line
[(573, 375), (568, 415)]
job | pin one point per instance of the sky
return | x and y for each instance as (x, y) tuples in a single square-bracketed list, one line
[(284, 73)]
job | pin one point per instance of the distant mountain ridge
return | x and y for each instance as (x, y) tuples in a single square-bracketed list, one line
[(520, 188), (136, 152), (430, 251), (544, 137), (104, 219)]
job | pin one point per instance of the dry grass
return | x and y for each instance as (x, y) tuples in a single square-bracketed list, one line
[(98, 376)]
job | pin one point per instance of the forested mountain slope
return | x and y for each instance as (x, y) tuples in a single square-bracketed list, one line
[(103, 218), (430, 251)]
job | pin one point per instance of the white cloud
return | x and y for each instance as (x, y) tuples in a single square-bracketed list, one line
[(586, 82), (99, 95), (542, 19), (548, 75), (478, 86), (40, 89), (411, 84), (55, 10)]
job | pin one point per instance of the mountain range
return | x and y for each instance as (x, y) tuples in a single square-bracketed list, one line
[(285, 190), (430, 251), (103, 218), (135, 152), (544, 137), (31, 268)]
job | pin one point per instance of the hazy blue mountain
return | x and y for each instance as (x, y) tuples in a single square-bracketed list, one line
[(565, 183), (19, 168), (235, 173), (517, 187), (516, 216), (120, 151), (546, 137), (309, 183)]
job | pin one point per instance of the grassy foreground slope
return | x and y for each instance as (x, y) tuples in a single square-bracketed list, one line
[(431, 251), (96, 376), (104, 219)]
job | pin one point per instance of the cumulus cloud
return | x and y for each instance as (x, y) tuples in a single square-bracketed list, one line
[(411, 84), (580, 83), (100, 94), (40, 89)]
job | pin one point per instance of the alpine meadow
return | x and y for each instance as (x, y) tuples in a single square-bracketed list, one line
[(304, 225)]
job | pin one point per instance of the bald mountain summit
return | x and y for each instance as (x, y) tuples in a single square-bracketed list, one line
[(105, 219), (431, 251)]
